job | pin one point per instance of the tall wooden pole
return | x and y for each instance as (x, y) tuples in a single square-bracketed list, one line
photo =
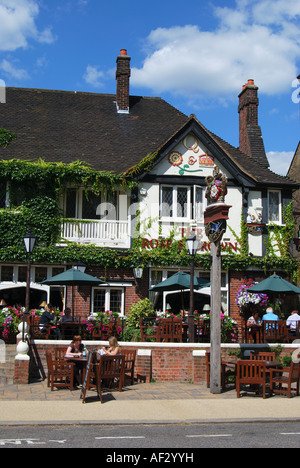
[(191, 323), (215, 329)]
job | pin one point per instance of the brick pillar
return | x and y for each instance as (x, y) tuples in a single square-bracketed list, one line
[(22, 363), (143, 366)]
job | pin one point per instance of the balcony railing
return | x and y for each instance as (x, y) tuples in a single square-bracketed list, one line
[(102, 233)]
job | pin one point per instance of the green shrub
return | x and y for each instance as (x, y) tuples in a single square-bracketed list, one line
[(141, 309)]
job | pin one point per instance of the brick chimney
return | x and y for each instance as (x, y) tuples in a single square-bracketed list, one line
[(250, 136), (122, 76)]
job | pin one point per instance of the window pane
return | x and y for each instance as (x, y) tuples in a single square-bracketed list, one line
[(182, 198), (167, 202), (2, 194), (22, 274), (7, 273), (99, 301), (116, 300), (274, 200), (198, 206), (71, 203), (40, 274), (90, 203)]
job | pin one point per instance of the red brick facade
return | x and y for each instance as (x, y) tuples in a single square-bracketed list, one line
[(158, 362)]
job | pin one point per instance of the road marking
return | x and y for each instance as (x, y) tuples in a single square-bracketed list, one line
[(211, 435), (289, 433), (121, 437)]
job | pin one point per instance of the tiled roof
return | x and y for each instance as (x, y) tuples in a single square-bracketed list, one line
[(64, 126)]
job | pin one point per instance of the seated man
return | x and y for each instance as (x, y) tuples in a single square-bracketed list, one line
[(292, 321), (269, 315)]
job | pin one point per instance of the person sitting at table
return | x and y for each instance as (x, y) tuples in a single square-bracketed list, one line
[(75, 349), (48, 320), (67, 317), (113, 349), (292, 321), (269, 315), (252, 323)]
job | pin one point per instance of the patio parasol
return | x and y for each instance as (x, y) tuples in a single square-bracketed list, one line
[(275, 284), (73, 277), (180, 281)]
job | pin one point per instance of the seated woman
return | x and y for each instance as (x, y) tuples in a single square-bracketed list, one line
[(76, 349), (113, 349)]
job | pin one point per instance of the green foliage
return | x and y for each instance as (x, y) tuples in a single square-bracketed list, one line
[(6, 137), (141, 309), (282, 235)]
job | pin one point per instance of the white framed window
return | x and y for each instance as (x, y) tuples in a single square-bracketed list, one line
[(109, 298), (84, 204), (274, 207), (181, 203)]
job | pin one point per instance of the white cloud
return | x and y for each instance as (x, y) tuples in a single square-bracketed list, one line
[(93, 76), (280, 161), (248, 43), (18, 24), (9, 69)]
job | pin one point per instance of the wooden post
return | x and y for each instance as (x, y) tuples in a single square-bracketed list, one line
[(215, 328)]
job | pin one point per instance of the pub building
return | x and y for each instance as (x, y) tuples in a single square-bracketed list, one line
[(165, 158)]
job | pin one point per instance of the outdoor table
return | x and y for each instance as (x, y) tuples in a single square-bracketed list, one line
[(78, 359)]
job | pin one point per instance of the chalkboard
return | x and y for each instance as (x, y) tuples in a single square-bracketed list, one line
[(90, 368)]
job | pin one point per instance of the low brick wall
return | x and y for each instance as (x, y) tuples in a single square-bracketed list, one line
[(161, 362)]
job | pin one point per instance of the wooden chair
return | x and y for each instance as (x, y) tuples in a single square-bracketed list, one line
[(59, 354), (274, 331), (35, 331), (129, 363), (226, 371), (97, 332), (112, 328), (251, 372), (170, 330), (292, 335), (285, 378), (149, 330), (202, 330), (262, 356), (60, 373), (110, 368)]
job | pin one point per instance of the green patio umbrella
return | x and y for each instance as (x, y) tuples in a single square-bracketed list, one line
[(275, 284), (180, 281), (73, 277)]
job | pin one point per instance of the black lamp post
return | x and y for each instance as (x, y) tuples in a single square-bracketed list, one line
[(29, 242), (192, 244)]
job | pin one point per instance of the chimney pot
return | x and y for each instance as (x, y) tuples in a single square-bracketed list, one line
[(123, 52)]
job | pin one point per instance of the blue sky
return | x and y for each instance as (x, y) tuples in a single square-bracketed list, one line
[(196, 55)]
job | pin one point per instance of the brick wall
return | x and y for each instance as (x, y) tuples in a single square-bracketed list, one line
[(160, 362)]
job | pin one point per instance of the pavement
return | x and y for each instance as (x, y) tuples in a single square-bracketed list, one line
[(141, 403)]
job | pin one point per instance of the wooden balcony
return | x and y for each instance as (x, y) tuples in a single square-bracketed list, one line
[(102, 233)]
